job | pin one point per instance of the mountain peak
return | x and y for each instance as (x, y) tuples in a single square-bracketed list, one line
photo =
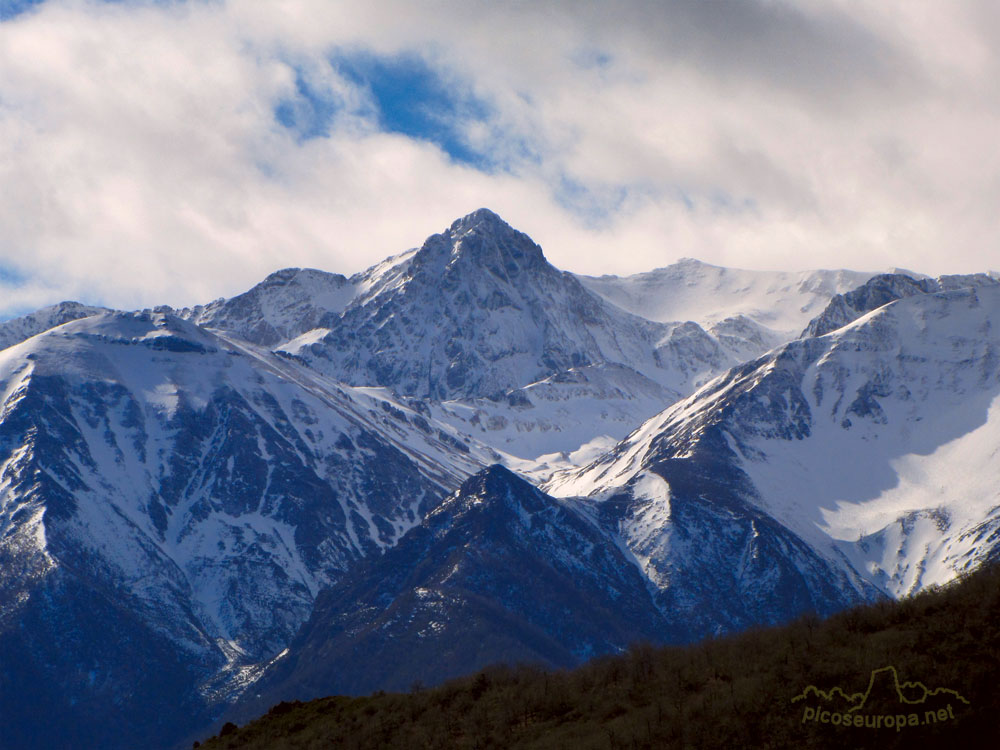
[(16, 330), (883, 289), (690, 262), (482, 240), (286, 304), (497, 488), (495, 480), (480, 218), (286, 276)]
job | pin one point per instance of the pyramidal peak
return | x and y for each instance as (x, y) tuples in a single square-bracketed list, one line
[(481, 218), (496, 488), (483, 240)]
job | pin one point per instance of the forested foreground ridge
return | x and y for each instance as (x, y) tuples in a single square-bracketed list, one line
[(921, 672)]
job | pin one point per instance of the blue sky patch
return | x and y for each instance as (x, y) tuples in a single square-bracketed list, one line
[(415, 100), (591, 58), (12, 8), (594, 205), (11, 277), (310, 112)]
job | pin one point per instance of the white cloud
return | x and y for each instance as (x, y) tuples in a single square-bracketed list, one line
[(141, 163)]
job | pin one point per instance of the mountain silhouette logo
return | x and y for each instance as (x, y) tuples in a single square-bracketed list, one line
[(887, 703)]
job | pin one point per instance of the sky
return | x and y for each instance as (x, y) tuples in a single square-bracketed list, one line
[(175, 151)]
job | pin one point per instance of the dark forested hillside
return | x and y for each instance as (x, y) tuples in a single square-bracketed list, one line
[(918, 673)]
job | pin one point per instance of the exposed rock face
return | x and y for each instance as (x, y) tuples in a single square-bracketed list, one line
[(173, 500), (498, 572), (476, 312), (883, 289), (872, 444)]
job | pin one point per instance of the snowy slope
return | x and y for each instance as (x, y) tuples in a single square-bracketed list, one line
[(284, 305), (290, 308), (881, 290), (532, 360), (779, 303), (478, 312), (743, 313), (875, 444), (560, 413), (204, 488), (16, 330), (498, 572), (193, 438)]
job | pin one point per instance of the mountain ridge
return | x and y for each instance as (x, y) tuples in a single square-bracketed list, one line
[(873, 393), (198, 493), (201, 478), (522, 570), (735, 691)]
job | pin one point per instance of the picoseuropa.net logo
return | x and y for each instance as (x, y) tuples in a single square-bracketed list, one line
[(887, 703)]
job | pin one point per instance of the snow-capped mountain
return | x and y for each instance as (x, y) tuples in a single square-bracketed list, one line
[(479, 312), (750, 311), (283, 306), (178, 488), (502, 572), (874, 444), (529, 359), (180, 498), (16, 330), (883, 289), (498, 572)]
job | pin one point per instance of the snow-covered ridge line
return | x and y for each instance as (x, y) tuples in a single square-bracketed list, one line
[(779, 302), (904, 396), (478, 319), (16, 330), (214, 485)]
